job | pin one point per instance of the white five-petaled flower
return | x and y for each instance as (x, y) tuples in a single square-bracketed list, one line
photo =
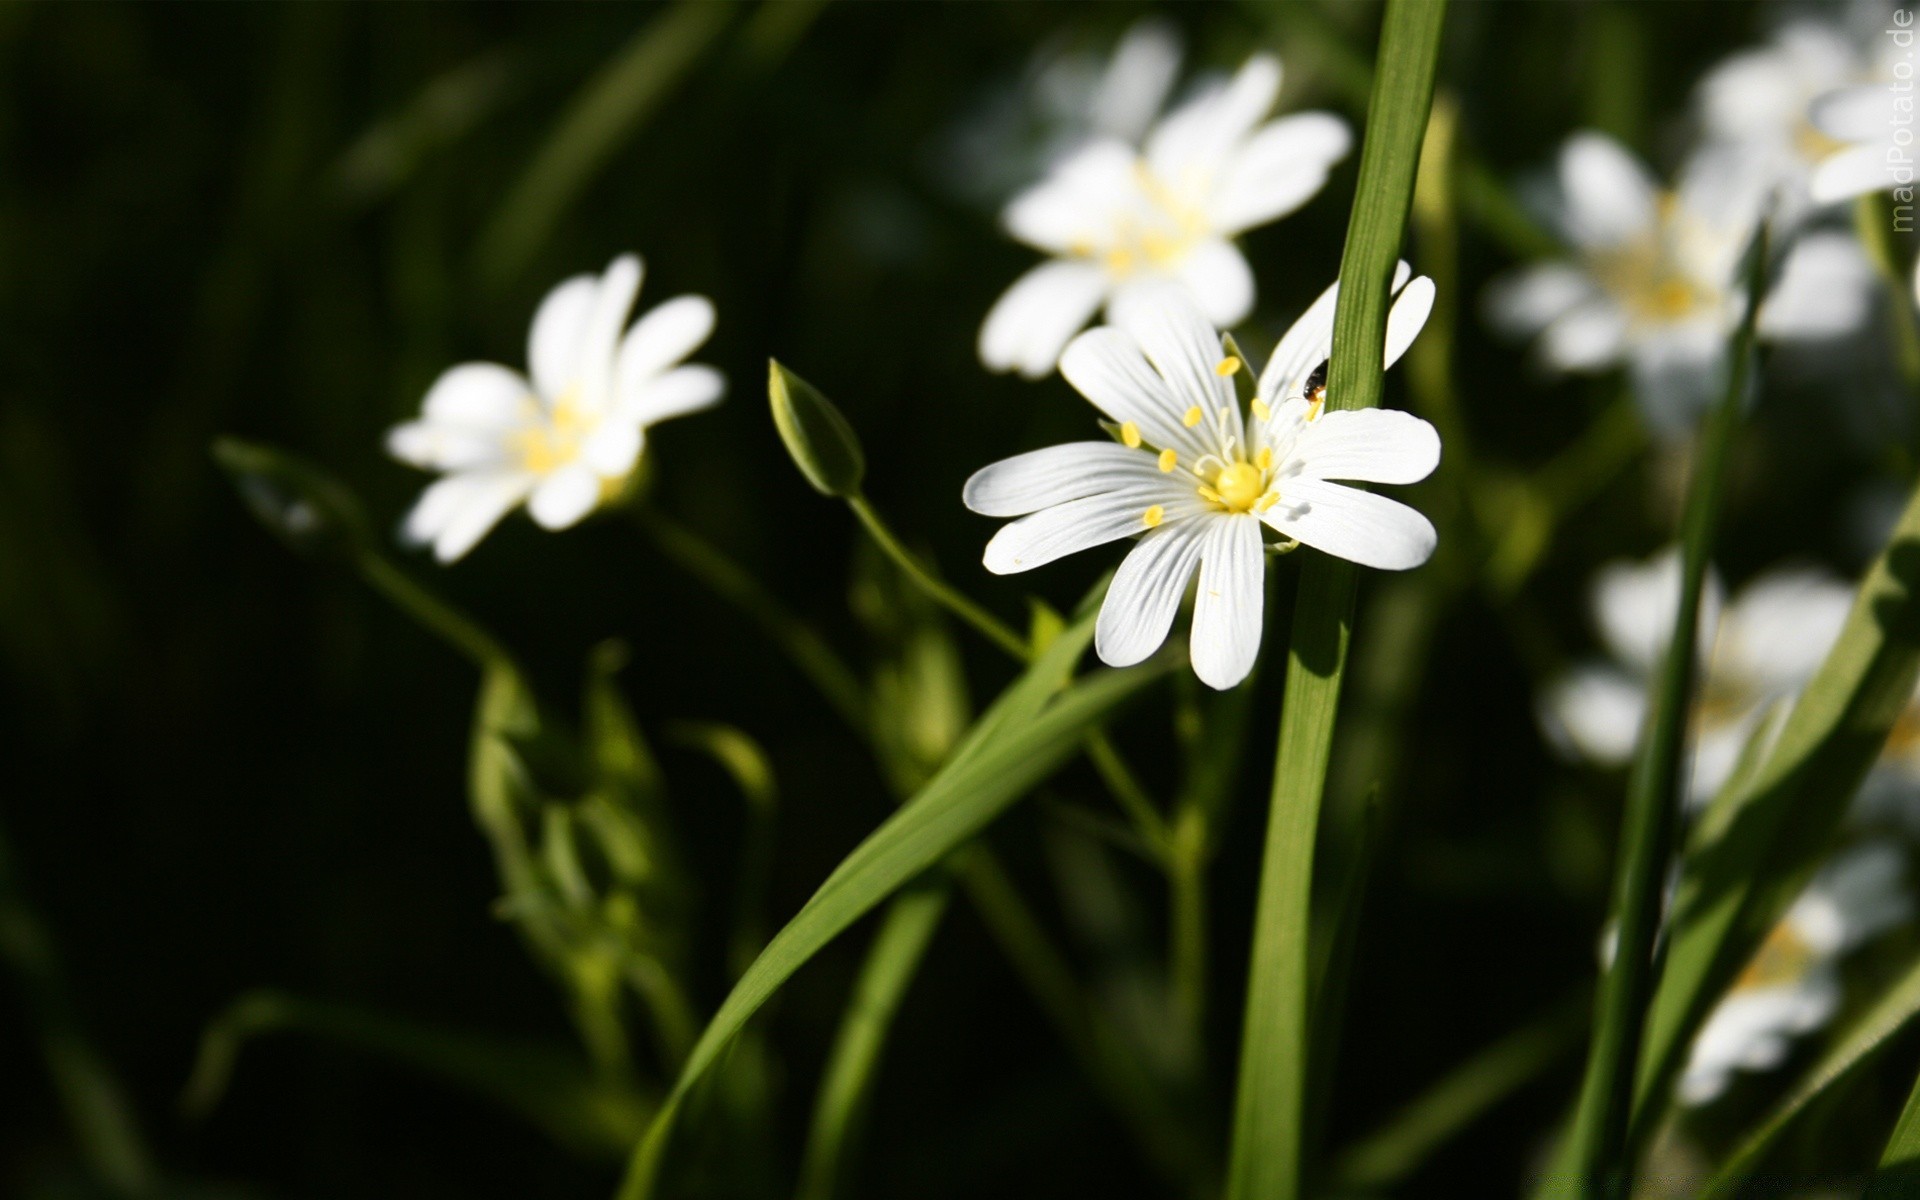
[(1762, 645), (1867, 124), (1196, 480), (569, 438), (1653, 277), (1114, 218), (1792, 985)]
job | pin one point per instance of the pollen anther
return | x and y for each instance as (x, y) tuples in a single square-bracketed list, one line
[(1153, 516), (1228, 366), (1192, 417), (1167, 461), (1130, 434)]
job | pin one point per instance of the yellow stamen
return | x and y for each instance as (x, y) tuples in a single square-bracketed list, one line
[(1264, 459), (1192, 417), (1228, 366), (1260, 408), (1167, 460), (1266, 502), (1130, 434), (1153, 516), (1211, 496)]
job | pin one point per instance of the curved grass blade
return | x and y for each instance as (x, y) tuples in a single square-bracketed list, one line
[(891, 964), (1019, 741), (1897, 1004), (1898, 1176), (1265, 1159), (544, 1085), (1597, 1153)]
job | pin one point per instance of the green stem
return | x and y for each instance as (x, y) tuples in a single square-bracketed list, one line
[(1187, 925), (949, 597), (1266, 1160), (406, 594), (805, 648)]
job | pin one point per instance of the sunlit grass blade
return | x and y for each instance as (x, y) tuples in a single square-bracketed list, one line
[(1027, 734), (1863, 1037), (1596, 1157), (1785, 812), (1383, 1159), (1898, 1175), (544, 1085), (1269, 1119), (609, 109), (891, 964)]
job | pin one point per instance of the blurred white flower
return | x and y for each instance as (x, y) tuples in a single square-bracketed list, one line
[(1866, 122), (1765, 644), (1653, 277), (1792, 985), (1195, 479), (1113, 218), (569, 438)]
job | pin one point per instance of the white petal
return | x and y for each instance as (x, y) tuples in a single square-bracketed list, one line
[(1184, 348), (1228, 602), (457, 512), (1198, 138), (1855, 171), (1145, 593), (1595, 713), (680, 391), (1609, 198), (1077, 204), (1678, 372), (1525, 301), (1308, 342), (612, 449), (1854, 114), (1351, 524), (1040, 479), (553, 347), (661, 339), (1278, 169), (1137, 79), (477, 393), (1035, 317), (1778, 629), (1374, 445), (1408, 317), (1591, 336), (1635, 605), (600, 338), (1051, 533), (442, 447), (565, 496), (1218, 278), (1824, 289), (1108, 367)]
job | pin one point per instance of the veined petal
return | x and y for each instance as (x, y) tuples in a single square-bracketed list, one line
[(1029, 324), (1218, 278), (1844, 174), (565, 496), (1145, 593), (1040, 479), (1108, 367), (1373, 445), (1525, 301), (662, 338), (1308, 342), (1609, 199), (553, 346), (1351, 524), (456, 512), (1408, 317), (479, 394), (1036, 540), (600, 339), (1278, 169), (680, 391), (1227, 604), (1184, 348), (1196, 139)]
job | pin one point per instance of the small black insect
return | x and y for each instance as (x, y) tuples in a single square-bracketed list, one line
[(1315, 388)]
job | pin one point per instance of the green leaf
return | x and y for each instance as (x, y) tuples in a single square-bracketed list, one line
[(1868, 1033), (1785, 812), (1597, 1151), (1267, 1153), (822, 443), (608, 111), (547, 1087), (1022, 739), (1898, 1176), (891, 964)]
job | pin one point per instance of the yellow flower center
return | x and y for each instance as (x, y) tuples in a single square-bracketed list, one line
[(1648, 276), (555, 437), (1784, 957), (1156, 238)]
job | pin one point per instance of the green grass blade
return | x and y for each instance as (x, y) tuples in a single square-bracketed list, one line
[(608, 111), (1597, 1153), (1265, 1159), (1021, 740), (1736, 886), (543, 1085), (1864, 1036), (1898, 1176), (889, 969)]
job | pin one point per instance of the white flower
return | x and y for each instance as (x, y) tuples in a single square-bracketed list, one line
[(569, 438), (1867, 123), (1196, 480), (1114, 218), (1792, 985), (1765, 644), (1653, 279)]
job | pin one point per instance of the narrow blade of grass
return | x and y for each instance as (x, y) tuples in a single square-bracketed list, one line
[(1265, 1158), (1898, 1176), (1597, 1153)]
